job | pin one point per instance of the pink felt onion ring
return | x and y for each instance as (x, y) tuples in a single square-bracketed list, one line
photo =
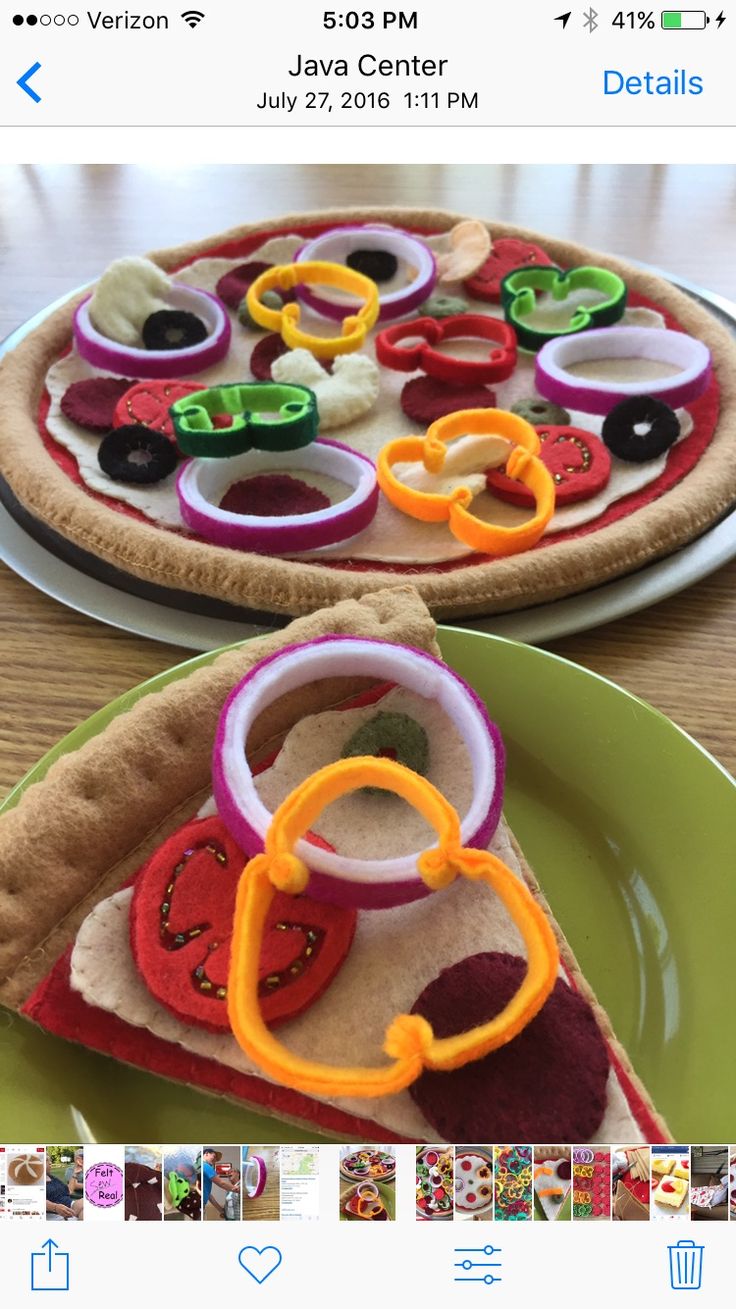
[(130, 361), (686, 354), (363, 883), (412, 253), (254, 1176), (202, 483)]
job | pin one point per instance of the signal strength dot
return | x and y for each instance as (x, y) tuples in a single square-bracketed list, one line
[(192, 17)]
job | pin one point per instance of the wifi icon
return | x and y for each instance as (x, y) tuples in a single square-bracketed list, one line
[(192, 17)]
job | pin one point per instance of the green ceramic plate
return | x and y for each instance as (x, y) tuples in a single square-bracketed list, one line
[(631, 828)]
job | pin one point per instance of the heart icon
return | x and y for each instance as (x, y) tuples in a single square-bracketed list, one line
[(259, 1264)]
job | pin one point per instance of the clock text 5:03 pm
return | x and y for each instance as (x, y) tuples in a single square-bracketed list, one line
[(361, 100)]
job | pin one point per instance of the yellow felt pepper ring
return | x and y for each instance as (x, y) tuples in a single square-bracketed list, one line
[(287, 277), (410, 1041), (454, 508)]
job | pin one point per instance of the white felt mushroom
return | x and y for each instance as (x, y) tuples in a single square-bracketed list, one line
[(129, 290), (468, 245), (343, 395)]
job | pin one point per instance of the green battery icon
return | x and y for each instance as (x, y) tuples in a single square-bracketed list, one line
[(684, 20)]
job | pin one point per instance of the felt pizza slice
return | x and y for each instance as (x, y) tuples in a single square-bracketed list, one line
[(113, 936), (552, 1185)]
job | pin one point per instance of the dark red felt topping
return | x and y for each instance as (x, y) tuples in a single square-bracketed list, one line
[(91, 403), (273, 495), (507, 253), (578, 461), (232, 286), (425, 399), (564, 1169), (547, 1084), (264, 354), (181, 926)]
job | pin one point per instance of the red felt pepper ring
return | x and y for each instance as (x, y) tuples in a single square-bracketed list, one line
[(424, 355)]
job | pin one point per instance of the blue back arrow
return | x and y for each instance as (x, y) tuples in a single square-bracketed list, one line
[(25, 79)]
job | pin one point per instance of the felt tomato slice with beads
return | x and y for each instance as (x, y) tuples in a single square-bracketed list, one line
[(578, 461), (507, 253), (148, 403), (181, 926)]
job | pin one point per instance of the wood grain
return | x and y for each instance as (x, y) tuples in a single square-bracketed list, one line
[(61, 225)]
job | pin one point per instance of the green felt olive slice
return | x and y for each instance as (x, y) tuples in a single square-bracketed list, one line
[(393, 736)]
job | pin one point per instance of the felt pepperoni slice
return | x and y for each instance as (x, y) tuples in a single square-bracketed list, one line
[(147, 404), (264, 355), (510, 1094), (91, 403), (181, 926), (233, 285), (578, 461), (425, 399), (273, 495), (507, 253)]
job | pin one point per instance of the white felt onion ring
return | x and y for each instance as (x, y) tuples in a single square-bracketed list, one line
[(686, 354), (202, 483), (364, 883), (335, 246), (255, 1176), (101, 352)]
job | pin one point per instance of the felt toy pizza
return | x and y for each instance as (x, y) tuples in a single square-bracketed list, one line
[(310, 902), (434, 1183), (208, 426), (473, 1182)]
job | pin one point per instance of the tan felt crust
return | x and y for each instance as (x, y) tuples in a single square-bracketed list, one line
[(286, 587), (75, 836), (78, 834)]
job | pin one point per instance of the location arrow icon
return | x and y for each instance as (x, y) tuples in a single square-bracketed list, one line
[(25, 79), (564, 18)]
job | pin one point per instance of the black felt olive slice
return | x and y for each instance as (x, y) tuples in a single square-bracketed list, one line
[(134, 453)]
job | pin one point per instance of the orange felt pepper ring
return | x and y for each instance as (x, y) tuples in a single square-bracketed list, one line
[(410, 1041), (523, 463)]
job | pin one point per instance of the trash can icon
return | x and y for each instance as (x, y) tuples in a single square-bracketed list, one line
[(686, 1266)]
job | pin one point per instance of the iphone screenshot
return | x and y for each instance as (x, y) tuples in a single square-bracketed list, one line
[(367, 649)]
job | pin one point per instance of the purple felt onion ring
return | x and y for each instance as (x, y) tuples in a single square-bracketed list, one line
[(130, 361), (343, 880), (255, 1175), (335, 246), (202, 483), (557, 383)]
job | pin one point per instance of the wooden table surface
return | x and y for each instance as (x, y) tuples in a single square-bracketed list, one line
[(61, 225)]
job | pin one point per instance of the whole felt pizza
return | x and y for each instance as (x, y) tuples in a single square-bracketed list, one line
[(313, 407), (286, 878)]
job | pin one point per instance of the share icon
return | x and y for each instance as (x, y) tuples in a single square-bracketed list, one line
[(468, 1265)]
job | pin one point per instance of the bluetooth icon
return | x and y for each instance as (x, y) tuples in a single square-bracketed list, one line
[(589, 17)]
